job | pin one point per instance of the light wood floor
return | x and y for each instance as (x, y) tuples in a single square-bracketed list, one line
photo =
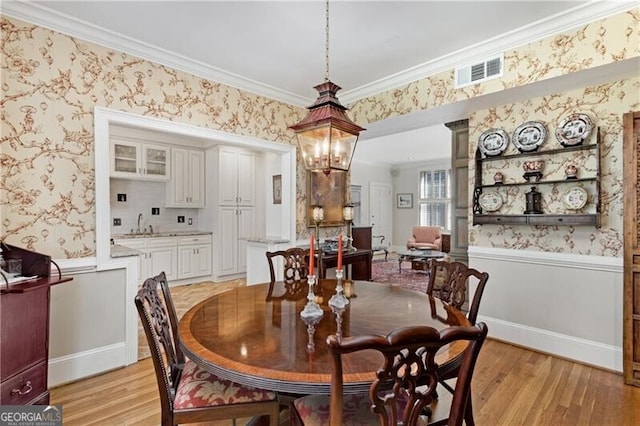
[(511, 386)]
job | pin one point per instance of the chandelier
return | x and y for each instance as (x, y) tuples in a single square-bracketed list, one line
[(326, 136)]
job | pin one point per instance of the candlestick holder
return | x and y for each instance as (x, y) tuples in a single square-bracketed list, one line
[(311, 323), (311, 309), (347, 214), (339, 300), (338, 312)]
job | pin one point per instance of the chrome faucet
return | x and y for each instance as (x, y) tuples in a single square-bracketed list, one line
[(139, 219)]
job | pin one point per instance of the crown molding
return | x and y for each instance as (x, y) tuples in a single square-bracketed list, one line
[(561, 22), (577, 16), (63, 23)]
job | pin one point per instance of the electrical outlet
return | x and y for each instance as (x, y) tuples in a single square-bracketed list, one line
[(122, 198), (155, 211), (190, 222), (117, 221), (180, 219)]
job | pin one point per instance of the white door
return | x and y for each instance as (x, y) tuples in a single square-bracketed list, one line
[(381, 210)]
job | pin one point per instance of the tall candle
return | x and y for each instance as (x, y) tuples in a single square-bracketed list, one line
[(339, 251), (312, 255)]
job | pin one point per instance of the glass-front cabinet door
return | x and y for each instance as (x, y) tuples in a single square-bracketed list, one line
[(125, 159), (156, 161), (135, 160)]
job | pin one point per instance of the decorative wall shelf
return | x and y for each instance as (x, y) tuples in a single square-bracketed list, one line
[(536, 219), (481, 217)]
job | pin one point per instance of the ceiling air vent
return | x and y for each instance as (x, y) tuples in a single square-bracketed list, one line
[(482, 71)]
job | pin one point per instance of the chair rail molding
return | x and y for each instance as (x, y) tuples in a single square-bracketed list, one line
[(565, 260), (563, 304)]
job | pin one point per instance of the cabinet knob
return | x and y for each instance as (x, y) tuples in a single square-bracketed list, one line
[(19, 391)]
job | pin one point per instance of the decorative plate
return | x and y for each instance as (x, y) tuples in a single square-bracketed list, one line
[(529, 136), (490, 201), (493, 142), (575, 198), (574, 129)]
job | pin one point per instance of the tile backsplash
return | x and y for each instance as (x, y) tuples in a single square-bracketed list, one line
[(147, 198)]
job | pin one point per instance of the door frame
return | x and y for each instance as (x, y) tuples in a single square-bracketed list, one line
[(631, 261)]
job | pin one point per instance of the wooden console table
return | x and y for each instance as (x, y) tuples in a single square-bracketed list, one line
[(359, 261), (24, 341)]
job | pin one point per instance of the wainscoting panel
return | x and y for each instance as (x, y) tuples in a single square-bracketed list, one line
[(564, 304)]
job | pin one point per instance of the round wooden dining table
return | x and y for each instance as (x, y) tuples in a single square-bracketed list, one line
[(254, 335)]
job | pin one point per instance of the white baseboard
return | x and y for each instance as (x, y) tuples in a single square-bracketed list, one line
[(81, 365), (581, 350)]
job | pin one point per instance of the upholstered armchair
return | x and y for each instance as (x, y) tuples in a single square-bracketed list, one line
[(426, 237)]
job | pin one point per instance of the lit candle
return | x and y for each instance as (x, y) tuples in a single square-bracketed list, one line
[(312, 254), (339, 251)]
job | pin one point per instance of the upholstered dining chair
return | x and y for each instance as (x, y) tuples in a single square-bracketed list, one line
[(295, 264), (398, 393), (451, 281), (188, 393)]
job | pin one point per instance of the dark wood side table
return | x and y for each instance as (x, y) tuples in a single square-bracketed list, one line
[(446, 243), (359, 261), (24, 335)]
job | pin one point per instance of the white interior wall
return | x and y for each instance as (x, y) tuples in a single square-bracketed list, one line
[(406, 180), (89, 321), (566, 304), (273, 212)]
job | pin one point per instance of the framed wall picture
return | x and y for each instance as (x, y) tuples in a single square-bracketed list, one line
[(327, 191), (405, 201), (277, 189)]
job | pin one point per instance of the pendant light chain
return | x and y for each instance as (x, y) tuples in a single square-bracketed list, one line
[(326, 57)]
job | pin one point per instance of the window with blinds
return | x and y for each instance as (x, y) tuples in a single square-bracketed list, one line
[(435, 198)]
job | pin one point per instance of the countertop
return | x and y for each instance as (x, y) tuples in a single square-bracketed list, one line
[(161, 234), (267, 240), (118, 250)]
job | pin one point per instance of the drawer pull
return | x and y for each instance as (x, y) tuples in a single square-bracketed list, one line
[(18, 391)]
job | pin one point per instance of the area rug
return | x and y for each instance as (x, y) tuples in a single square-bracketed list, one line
[(387, 272)]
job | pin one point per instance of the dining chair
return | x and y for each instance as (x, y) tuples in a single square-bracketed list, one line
[(188, 393), (295, 264), (450, 282), (399, 391)]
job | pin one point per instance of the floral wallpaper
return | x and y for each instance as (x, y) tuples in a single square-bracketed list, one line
[(51, 83), (604, 104), (50, 86), (615, 38)]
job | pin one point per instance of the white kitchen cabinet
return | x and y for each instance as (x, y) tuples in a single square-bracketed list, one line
[(137, 160), (236, 177), (162, 259), (236, 198), (157, 254), (236, 224), (194, 256), (186, 187)]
